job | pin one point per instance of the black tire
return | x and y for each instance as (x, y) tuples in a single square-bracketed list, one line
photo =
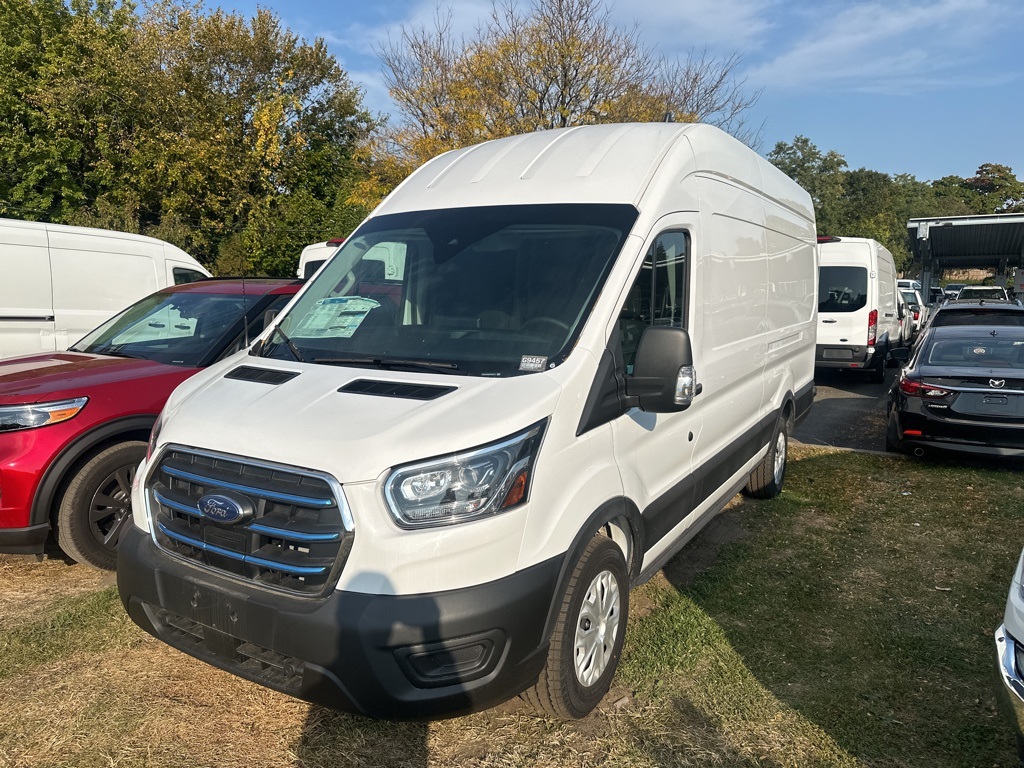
[(765, 481), (98, 504), (877, 374), (560, 692), (891, 444)]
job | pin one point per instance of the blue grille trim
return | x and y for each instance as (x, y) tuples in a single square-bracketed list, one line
[(282, 533), (183, 508), (295, 570), (284, 498)]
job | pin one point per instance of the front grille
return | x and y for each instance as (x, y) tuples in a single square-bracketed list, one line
[(297, 538)]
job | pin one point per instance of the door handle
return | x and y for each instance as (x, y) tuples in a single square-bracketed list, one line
[(830, 321), (889, 314)]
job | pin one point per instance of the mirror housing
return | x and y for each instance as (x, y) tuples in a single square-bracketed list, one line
[(899, 354), (663, 380)]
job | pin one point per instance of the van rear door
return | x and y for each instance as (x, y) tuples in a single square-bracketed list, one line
[(842, 304), (26, 296)]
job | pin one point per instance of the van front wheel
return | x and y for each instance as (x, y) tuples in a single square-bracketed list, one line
[(98, 504), (765, 482), (588, 635)]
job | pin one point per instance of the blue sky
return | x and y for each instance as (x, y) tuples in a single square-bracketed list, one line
[(927, 87)]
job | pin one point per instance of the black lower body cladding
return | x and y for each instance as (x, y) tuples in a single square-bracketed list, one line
[(392, 657)]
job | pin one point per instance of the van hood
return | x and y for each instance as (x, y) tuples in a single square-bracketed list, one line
[(306, 422), (60, 375)]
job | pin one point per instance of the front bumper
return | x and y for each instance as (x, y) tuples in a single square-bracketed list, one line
[(394, 657), (30, 540), (1011, 687)]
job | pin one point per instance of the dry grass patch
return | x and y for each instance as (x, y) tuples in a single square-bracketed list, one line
[(28, 588), (806, 631)]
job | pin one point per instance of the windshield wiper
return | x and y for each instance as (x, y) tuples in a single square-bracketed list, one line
[(291, 347), (117, 351), (387, 362)]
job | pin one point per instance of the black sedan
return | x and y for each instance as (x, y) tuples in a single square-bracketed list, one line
[(962, 390)]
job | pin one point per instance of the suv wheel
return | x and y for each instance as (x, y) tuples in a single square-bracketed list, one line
[(97, 505)]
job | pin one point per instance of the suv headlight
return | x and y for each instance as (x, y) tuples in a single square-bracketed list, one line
[(15, 417), (465, 486)]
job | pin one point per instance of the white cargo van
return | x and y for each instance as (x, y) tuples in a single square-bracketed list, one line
[(57, 282), (859, 312), (424, 493)]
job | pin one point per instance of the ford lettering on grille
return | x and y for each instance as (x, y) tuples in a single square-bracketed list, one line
[(224, 508)]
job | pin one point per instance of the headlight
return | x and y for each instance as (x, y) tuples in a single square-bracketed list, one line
[(15, 417), (465, 486)]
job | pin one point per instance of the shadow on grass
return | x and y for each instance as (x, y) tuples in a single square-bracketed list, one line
[(333, 739), (865, 599)]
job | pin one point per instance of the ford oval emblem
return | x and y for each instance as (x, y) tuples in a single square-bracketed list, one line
[(228, 508)]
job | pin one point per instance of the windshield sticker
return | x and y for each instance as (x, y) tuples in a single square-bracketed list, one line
[(532, 363), (337, 317)]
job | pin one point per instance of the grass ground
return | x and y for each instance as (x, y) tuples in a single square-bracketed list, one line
[(848, 622)]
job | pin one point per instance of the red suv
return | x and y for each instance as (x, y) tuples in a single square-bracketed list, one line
[(74, 425)]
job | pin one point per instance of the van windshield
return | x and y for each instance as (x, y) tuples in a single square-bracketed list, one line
[(842, 289), (486, 291)]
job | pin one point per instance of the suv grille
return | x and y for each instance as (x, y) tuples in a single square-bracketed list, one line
[(297, 538)]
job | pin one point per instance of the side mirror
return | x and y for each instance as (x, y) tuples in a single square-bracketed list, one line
[(664, 379), (900, 354)]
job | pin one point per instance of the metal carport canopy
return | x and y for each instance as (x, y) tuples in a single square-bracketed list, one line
[(951, 242)]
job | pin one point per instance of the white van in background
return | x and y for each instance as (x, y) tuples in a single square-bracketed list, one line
[(859, 311), (57, 282), (313, 257), (538, 368)]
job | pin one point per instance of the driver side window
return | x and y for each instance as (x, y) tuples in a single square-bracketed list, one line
[(658, 295)]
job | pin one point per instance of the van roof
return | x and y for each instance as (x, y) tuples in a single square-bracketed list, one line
[(85, 231), (612, 163)]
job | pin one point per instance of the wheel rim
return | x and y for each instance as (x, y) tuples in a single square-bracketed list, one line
[(111, 506), (597, 627), (780, 457)]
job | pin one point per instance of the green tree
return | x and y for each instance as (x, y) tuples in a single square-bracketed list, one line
[(552, 64), (207, 129)]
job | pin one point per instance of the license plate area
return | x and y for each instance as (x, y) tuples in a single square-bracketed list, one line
[(990, 404)]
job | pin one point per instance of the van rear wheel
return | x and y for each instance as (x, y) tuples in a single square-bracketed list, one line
[(877, 373), (587, 641), (97, 505), (766, 479)]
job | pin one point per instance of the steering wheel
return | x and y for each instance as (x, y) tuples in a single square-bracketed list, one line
[(544, 321)]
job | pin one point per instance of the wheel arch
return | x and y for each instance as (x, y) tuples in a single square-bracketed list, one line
[(615, 516), (76, 453)]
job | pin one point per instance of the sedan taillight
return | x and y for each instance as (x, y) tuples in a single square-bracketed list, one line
[(916, 388)]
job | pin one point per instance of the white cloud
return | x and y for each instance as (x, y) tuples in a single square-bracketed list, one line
[(891, 46), (677, 26)]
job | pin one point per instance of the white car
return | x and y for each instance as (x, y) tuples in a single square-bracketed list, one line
[(1010, 655), (916, 307), (536, 370), (976, 292)]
